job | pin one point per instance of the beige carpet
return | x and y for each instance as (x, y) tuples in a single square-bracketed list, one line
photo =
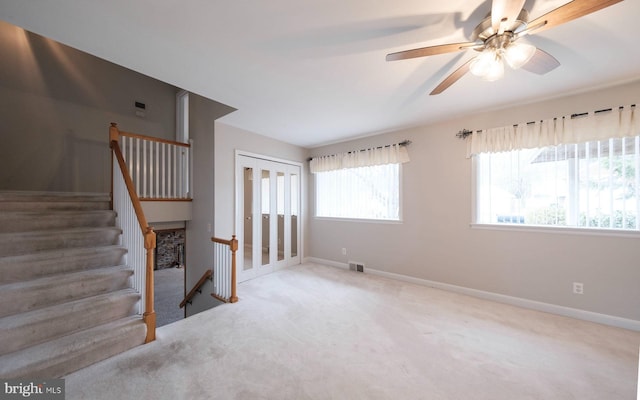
[(169, 292), (315, 332)]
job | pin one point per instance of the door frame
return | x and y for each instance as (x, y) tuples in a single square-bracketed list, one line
[(239, 202)]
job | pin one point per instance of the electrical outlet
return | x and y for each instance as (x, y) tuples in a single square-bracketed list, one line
[(578, 288), (344, 251)]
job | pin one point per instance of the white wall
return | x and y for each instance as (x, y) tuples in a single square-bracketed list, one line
[(56, 104), (435, 242)]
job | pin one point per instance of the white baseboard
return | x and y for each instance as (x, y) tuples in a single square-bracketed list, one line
[(500, 298), (326, 262)]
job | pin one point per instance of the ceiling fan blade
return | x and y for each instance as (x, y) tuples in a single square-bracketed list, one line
[(504, 12), (430, 51), (541, 63), (529, 29), (453, 78), (568, 12)]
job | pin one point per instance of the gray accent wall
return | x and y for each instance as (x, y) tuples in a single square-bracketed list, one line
[(56, 104), (436, 241)]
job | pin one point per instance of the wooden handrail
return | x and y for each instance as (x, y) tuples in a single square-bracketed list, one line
[(152, 139), (196, 288), (115, 147), (149, 315), (233, 246), (228, 242)]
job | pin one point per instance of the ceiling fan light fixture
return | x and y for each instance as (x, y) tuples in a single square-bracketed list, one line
[(488, 65), (518, 54), (482, 63), (496, 71)]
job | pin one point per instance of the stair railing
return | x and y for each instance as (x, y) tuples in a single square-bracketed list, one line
[(159, 168), (137, 236), (224, 269), (196, 288)]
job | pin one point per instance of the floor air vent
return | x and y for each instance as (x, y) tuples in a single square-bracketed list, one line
[(356, 266)]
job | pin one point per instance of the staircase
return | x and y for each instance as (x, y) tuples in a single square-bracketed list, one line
[(65, 297)]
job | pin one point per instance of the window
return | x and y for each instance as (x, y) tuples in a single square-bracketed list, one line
[(371, 192), (586, 185)]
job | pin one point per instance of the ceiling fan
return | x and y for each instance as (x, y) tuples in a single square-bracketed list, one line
[(495, 39)]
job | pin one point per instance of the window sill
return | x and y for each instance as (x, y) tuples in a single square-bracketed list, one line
[(368, 221), (558, 230)]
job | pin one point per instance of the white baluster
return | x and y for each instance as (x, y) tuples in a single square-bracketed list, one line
[(190, 172), (137, 179), (129, 161), (144, 170), (131, 237), (157, 193), (164, 168), (172, 177), (152, 171)]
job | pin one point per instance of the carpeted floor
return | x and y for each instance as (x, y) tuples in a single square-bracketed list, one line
[(169, 292), (315, 332)]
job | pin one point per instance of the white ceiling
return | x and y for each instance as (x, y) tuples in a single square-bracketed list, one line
[(313, 72)]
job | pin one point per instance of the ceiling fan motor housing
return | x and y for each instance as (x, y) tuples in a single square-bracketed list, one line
[(484, 31)]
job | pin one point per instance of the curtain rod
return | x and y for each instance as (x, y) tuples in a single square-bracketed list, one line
[(403, 143), (466, 132)]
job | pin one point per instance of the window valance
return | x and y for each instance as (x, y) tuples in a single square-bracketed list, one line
[(392, 154), (577, 128)]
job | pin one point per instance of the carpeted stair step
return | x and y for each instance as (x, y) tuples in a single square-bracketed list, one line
[(24, 221), (59, 357), (44, 263), (33, 201), (65, 293), (30, 328), (34, 241), (33, 294)]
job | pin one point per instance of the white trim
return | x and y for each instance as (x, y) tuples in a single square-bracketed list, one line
[(629, 234), (301, 184), (605, 319), (289, 168), (638, 386), (326, 262), (182, 118), (363, 220), (268, 158)]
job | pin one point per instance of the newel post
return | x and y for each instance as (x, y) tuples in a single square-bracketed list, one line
[(114, 133), (233, 245), (149, 315)]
